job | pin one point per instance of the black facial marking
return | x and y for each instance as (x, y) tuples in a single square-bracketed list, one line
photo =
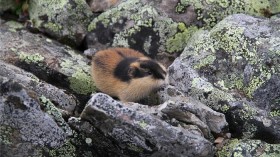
[(154, 68), (122, 69)]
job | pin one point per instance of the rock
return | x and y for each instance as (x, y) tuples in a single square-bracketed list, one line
[(209, 13), (25, 129), (49, 60), (137, 25), (138, 133), (245, 147), (102, 5), (190, 111), (66, 21), (58, 96), (234, 68)]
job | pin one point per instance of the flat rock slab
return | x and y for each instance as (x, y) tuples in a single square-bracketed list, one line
[(141, 133)]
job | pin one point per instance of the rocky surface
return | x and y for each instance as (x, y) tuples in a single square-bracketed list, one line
[(224, 85), (235, 77), (66, 21), (138, 133), (26, 129)]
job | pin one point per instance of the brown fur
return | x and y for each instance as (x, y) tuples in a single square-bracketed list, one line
[(105, 81)]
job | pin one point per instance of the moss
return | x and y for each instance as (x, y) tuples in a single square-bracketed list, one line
[(31, 58), (81, 82), (50, 108), (179, 41)]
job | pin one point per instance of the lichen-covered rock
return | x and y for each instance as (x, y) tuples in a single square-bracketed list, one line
[(49, 60), (237, 147), (190, 111), (58, 96), (234, 68), (101, 5), (138, 25), (209, 12), (25, 129), (138, 133), (65, 20)]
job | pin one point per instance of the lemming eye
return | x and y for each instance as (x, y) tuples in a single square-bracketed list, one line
[(149, 72)]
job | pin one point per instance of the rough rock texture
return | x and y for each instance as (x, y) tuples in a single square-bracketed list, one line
[(137, 25), (58, 96), (66, 21), (138, 133), (102, 5), (249, 148), (190, 111), (164, 26), (234, 68), (47, 59), (209, 12), (25, 129)]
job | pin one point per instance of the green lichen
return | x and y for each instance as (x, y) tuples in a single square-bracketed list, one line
[(113, 15), (79, 74), (50, 108), (31, 58), (275, 113), (224, 108), (242, 148), (143, 124), (81, 82), (179, 41), (248, 112), (135, 148), (6, 133), (13, 26), (180, 8), (205, 61), (212, 11), (67, 150), (53, 26), (215, 96)]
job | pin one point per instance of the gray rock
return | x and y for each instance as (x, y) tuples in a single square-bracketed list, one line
[(25, 128), (248, 148), (234, 68), (64, 101), (64, 20), (140, 133), (49, 60)]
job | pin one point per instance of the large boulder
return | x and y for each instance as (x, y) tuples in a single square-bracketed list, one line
[(234, 68)]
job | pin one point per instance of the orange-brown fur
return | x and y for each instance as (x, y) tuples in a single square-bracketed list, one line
[(107, 83)]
